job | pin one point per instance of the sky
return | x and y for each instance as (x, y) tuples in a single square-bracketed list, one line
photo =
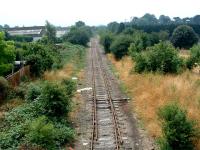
[(92, 12)]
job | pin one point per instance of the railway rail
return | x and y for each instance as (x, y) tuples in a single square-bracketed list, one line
[(106, 116)]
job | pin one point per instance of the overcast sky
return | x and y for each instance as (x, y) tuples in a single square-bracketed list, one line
[(93, 12)]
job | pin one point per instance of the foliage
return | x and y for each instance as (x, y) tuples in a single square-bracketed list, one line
[(178, 131), (41, 57), (70, 87), (106, 40), (42, 132), (119, 46), (140, 42), (79, 34), (24, 125), (3, 88), (184, 37), (194, 59), (161, 57), (33, 92), (7, 51), (54, 100), (19, 38), (50, 32), (79, 24)]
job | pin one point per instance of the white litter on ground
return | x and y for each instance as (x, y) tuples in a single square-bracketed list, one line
[(84, 89), (74, 78)]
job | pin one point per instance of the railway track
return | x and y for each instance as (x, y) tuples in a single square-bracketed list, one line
[(108, 129)]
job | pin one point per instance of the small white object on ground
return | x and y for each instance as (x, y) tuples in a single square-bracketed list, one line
[(85, 144), (84, 89), (74, 78)]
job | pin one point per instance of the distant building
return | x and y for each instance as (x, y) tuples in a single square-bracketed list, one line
[(36, 32), (60, 31)]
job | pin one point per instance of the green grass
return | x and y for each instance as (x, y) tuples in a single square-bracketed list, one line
[(73, 54)]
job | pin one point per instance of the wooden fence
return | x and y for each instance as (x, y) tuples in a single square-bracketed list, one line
[(14, 79)]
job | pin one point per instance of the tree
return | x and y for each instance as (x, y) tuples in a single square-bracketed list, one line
[(106, 40), (80, 24), (6, 26), (113, 27), (177, 20), (164, 19), (194, 59), (120, 45), (77, 35), (50, 32), (196, 19), (178, 131), (7, 55), (148, 19), (121, 27), (161, 57), (184, 37)]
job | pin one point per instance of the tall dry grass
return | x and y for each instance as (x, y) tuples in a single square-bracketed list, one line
[(151, 91), (56, 75)]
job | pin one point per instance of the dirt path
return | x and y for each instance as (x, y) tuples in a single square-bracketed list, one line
[(105, 121)]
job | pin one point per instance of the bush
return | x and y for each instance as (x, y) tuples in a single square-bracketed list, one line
[(70, 87), (78, 35), (40, 57), (106, 40), (161, 57), (120, 45), (194, 58), (54, 100), (24, 126), (7, 51), (178, 131), (42, 132), (184, 37), (3, 88), (33, 92)]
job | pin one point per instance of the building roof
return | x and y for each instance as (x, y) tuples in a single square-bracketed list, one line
[(29, 31)]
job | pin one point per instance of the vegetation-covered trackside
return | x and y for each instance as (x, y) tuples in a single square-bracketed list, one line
[(153, 91), (42, 120), (37, 113)]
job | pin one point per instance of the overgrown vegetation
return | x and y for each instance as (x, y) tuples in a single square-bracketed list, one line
[(184, 37), (194, 59), (162, 57), (154, 71), (79, 34), (7, 51), (178, 131), (42, 121)]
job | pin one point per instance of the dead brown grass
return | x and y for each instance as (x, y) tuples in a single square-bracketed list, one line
[(151, 91), (60, 74)]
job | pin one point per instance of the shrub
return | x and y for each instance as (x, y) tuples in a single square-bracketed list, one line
[(3, 88), (33, 92), (120, 45), (78, 35), (70, 87), (161, 57), (178, 131), (194, 58), (54, 100), (106, 41), (184, 37), (7, 51), (42, 132), (40, 57)]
